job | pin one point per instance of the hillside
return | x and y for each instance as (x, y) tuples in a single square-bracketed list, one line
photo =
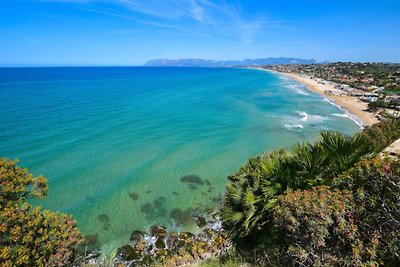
[(191, 62)]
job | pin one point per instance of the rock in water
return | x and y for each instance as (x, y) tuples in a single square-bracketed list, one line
[(200, 221), (137, 236), (133, 196), (194, 179), (104, 218), (158, 231), (128, 253)]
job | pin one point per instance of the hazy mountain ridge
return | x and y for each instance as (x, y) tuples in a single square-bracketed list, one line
[(197, 62)]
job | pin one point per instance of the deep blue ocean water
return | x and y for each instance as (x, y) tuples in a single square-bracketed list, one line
[(115, 141)]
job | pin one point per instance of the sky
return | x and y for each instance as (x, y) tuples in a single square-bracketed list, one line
[(129, 32)]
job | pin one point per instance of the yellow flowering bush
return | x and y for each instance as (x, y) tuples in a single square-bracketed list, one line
[(31, 236)]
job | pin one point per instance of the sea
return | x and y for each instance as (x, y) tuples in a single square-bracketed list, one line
[(125, 148)]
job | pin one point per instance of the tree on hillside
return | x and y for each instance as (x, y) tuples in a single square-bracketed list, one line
[(31, 236)]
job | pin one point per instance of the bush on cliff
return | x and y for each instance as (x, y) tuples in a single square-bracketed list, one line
[(31, 236), (252, 193), (382, 134), (375, 187), (318, 227)]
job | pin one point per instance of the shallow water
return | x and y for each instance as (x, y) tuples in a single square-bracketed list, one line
[(115, 142)]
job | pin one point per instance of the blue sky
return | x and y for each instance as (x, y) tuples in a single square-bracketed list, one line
[(129, 32)]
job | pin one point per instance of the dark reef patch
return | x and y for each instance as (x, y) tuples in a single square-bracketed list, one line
[(194, 179), (155, 209), (146, 208), (104, 218), (192, 187), (181, 217), (133, 196), (90, 239), (185, 216), (88, 198)]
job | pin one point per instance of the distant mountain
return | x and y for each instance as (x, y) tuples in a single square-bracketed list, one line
[(193, 62)]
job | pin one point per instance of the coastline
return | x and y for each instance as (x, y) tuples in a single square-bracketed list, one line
[(352, 105)]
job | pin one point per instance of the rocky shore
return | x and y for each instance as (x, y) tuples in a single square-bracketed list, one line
[(159, 247)]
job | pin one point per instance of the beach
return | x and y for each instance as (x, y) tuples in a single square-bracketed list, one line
[(326, 89)]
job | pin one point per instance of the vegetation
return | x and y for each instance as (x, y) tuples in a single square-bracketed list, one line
[(252, 193), (363, 76), (375, 187), (31, 236), (318, 227), (331, 203), (383, 134)]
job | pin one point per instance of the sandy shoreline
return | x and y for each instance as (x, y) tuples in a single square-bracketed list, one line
[(352, 105)]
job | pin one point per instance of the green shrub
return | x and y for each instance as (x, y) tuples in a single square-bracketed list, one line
[(375, 185), (31, 237), (318, 227), (253, 191), (382, 134)]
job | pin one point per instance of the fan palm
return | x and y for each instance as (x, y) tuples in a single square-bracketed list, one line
[(253, 192)]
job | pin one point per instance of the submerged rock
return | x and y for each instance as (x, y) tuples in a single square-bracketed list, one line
[(180, 216), (146, 208), (155, 209), (207, 182), (104, 218), (194, 179), (192, 186), (159, 201), (90, 239), (133, 196)]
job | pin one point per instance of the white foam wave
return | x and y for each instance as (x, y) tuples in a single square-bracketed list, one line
[(341, 115), (346, 114), (303, 114), (293, 126), (311, 118), (322, 128), (297, 88)]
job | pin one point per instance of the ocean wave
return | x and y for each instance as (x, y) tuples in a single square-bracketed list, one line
[(303, 114), (322, 128), (297, 88), (297, 123), (346, 114), (294, 127), (341, 115), (311, 118)]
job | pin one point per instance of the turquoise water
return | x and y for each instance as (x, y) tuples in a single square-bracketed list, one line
[(115, 142)]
